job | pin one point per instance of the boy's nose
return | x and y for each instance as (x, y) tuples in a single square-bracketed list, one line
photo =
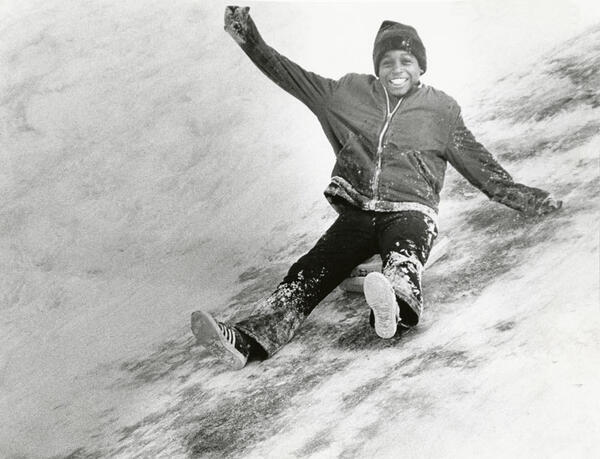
[(397, 67)]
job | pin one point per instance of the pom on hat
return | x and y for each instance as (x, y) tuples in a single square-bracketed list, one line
[(393, 35)]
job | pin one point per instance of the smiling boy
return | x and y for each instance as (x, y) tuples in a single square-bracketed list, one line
[(393, 138)]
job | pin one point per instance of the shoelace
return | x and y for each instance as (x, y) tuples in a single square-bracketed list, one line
[(228, 333)]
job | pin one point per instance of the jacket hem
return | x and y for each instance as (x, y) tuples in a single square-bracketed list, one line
[(341, 188)]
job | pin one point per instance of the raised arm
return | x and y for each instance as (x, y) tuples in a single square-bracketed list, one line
[(479, 167), (308, 87)]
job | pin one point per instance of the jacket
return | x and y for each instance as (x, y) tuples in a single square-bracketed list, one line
[(390, 156)]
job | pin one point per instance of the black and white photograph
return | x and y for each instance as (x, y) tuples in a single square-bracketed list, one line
[(299, 229)]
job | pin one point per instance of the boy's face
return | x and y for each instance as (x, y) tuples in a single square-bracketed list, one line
[(399, 71)]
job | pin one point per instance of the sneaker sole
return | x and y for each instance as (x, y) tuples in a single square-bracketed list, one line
[(382, 300), (208, 334)]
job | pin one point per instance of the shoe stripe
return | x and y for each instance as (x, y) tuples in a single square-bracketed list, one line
[(227, 333)]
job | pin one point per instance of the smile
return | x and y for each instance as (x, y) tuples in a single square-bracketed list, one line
[(398, 81)]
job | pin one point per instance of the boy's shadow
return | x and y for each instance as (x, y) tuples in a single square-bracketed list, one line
[(341, 322)]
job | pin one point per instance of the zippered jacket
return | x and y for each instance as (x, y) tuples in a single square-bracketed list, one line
[(390, 157)]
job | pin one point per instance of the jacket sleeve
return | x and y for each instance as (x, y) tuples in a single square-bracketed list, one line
[(479, 167), (308, 87)]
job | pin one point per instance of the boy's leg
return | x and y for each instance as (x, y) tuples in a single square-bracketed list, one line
[(348, 242), (405, 241)]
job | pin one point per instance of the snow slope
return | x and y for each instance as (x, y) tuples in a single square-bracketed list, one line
[(149, 170)]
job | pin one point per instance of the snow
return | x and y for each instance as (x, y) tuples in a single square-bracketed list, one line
[(148, 170)]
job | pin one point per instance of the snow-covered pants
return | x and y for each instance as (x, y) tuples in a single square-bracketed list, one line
[(403, 239)]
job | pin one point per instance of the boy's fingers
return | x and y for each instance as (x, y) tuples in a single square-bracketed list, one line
[(240, 14), (228, 14), (236, 17), (236, 22), (550, 205), (229, 10), (232, 13)]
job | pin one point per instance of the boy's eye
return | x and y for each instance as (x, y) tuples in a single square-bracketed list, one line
[(403, 62)]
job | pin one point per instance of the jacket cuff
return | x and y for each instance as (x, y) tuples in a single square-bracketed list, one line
[(528, 200)]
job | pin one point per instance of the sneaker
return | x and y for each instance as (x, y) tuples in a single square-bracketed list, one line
[(381, 299), (223, 341)]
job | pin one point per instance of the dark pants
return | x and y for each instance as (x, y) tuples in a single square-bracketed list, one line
[(403, 239)]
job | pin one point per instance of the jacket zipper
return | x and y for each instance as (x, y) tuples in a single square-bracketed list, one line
[(384, 129)]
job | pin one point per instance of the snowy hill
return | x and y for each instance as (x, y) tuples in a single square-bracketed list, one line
[(149, 170)]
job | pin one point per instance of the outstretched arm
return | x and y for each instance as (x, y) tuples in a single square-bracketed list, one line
[(480, 168), (308, 87)]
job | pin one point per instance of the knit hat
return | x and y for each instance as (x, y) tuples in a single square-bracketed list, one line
[(393, 35)]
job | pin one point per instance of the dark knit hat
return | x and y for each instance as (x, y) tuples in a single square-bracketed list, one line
[(393, 35)]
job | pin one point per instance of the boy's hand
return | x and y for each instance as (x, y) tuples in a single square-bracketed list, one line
[(549, 205), (236, 22)]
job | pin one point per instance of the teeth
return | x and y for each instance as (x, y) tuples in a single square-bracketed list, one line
[(398, 81)]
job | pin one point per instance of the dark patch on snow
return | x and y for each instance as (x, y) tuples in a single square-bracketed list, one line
[(588, 189), (420, 402), (505, 325), (579, 72), (80, 453), (500, 235), (342, 322), (137, 435), (507, 152), (591, 188), (253, 273), (164, 363), (361, 336), (470, 279), (347, 306), (440, 357), (229, 423), (361, 393), (365, 434), (229, 426), (195, 392), (587, 97), (491, 217), (320, 441), (126, 432), (409, 367)]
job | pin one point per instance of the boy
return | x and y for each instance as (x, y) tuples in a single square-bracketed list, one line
[(392, 137)]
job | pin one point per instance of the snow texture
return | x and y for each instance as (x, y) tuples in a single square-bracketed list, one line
[(148, 170)]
